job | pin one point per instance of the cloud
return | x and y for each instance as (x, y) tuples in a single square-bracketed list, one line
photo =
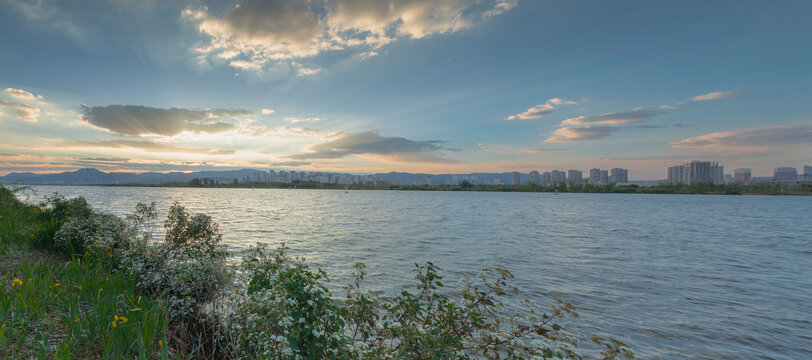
[(684, 125), (287, 130), (621, 118), (536, 151), (368, 54), (256, 34), (542, 109), (143, 145), (132, 120), (716, 95), (371, 143), (268, 111), (294, 120), (303, 71), (572, 134), (768, 136), (22, 111), (22, 94)]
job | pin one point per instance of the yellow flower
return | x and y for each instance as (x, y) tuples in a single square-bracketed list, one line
[(54, 286), (87, 253), (115, 324), (31, 236), (160, 343), (75, 319), (123, 319), (16, 282)]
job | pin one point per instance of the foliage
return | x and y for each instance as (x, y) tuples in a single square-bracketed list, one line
[(103, 235), (284, 311), (108, 290)]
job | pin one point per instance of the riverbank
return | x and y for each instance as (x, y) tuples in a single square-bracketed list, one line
[(82, 284), (804, 189)]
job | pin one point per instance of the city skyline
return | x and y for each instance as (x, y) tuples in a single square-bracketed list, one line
[(407, 86)]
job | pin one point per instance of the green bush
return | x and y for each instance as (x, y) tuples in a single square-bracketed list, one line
[(102, 235)]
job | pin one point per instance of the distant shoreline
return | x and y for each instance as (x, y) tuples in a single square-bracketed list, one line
[(803, 189)]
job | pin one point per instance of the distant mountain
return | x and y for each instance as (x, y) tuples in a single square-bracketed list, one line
[(92, 176)]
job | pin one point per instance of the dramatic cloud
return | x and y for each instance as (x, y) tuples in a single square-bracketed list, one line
[(261, 33), (572, 134), (134, 120), (540, 110), (268, 111), (716, 95), (22, 94), (143, 145), (621, 118), (371, 143), (24, 112), (769, 136)]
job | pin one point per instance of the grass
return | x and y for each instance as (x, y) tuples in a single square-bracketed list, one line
[(68, 308)]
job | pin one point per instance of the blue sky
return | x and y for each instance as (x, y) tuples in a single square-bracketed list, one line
[(412, 85)]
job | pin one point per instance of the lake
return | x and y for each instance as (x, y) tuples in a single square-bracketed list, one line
[(675, 276)]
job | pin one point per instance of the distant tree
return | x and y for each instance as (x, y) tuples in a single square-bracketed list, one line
[(465, 184)]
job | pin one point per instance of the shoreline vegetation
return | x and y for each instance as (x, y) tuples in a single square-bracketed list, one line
[(78, 283), (700, 189)]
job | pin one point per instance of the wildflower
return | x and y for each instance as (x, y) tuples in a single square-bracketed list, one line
[(55, 286), (115, 324), (123, 319), (75, 319), (16, 282), (31, 236), (160, 343)]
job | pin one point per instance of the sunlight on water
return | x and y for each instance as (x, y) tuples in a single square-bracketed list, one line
[(674, 275)]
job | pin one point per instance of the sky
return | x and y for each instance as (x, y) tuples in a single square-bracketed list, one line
[(366, 86)]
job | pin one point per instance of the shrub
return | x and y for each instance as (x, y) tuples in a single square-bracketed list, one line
[(189, 266), (284, 311), (62, 209), (103, 235)]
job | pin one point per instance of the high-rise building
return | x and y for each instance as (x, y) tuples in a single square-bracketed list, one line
[(704, 172), (546, 178), (428, 180), (594, 174), (676, 174), (785, 174), (620, 176), (533, 178), (496, 180), (558, 176), (515, 178), (575, 176), (598, 176), (697, 172), (742, 175), (807, 175)]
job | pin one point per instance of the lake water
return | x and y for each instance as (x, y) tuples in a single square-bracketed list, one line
[(675, 276)]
